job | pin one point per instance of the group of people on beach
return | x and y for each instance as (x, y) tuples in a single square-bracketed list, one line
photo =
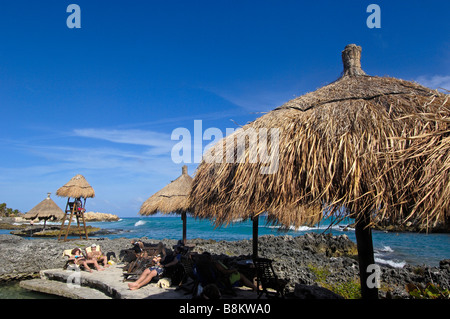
[(93, 256), (208, 272)]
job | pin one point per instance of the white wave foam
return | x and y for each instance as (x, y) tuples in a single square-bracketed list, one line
[(392, 263), (301, 228), (343, 228), (308, 228), (387, 249), (140, 223)]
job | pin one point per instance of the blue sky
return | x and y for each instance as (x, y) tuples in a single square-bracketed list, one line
[(103, 100)]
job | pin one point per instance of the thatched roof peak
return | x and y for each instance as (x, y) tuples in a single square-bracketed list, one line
[(356, 86), (351, 57)]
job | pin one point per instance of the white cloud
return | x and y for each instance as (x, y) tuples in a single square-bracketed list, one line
[(124, 167), (136, 137), (435, 81)]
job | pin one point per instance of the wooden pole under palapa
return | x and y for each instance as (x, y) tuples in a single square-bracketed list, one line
[(255, 220)]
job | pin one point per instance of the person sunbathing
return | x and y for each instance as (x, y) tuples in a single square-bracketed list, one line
[(97, 256), (79, 259), (148, 274)]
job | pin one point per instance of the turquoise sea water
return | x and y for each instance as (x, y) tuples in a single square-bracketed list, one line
[(394, 249)]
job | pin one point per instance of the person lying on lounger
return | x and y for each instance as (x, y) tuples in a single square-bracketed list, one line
[(97, 255), (79, 259), (148, 274)]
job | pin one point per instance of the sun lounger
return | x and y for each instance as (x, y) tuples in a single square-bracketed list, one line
[(143, 260), (268, 279), (70, 259)]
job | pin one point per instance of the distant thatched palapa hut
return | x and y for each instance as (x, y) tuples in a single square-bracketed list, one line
[(45, 210), (335, 153), (173, 198)]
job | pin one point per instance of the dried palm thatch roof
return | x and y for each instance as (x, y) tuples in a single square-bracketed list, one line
[(45, 210), (426, 174), (173, 198), (332, 152), (76, 187)]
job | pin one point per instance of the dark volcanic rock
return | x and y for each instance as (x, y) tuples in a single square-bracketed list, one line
[(314, 292)]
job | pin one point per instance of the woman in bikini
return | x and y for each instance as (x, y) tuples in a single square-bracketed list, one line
[(79, 259)]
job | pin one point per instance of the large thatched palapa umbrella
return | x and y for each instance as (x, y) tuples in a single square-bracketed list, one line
[(45, 210), (331, 152), (173, 198), (76, 188)]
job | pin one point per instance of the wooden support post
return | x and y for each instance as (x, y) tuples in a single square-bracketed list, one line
[(72, 211), (255, 236), (365, 254), (183, 218)]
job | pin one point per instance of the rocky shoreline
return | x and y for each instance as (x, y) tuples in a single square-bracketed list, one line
[(313, 259), (22, 227)]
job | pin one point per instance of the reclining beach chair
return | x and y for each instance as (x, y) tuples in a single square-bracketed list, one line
[(143, 260), (268, 279), (188, 278), (70, 261), (205, 273), (89, 250)]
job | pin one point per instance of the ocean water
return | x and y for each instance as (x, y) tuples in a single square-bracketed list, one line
[(393, 249), (12, 290)]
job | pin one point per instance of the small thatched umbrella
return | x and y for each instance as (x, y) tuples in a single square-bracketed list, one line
[(45, 210), (77, 187), (173, 198), (329, 151)]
